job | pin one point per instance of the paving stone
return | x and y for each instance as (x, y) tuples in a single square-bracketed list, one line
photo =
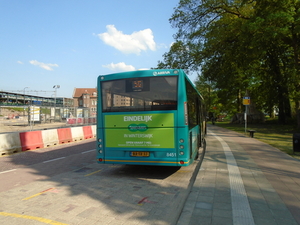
[(267, 184)]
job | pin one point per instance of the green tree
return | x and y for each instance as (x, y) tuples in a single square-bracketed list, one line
[(241, 46)]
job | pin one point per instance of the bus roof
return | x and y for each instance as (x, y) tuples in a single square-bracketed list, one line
[(142, 73)]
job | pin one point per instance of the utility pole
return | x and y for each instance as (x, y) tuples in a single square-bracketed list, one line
[(56, 87), (246, 102)]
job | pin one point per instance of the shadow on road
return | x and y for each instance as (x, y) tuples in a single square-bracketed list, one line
[(82, 190)]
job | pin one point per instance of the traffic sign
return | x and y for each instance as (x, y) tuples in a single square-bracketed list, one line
[(246, 101)]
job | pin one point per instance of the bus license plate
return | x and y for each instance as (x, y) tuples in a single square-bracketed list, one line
[(140, 154)]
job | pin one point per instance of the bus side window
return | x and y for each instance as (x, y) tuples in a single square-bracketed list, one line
[(192, 105)]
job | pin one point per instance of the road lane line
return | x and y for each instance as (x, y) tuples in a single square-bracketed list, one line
[(40, 219), (42, 192), (241, 210), (7, 171), (51, 160), (92, 173), (88, 151)]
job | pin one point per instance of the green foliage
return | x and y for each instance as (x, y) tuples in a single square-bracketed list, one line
[(240, 47), (45, 111), (16, 109)]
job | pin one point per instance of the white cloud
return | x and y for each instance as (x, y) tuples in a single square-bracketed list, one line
[(134, 43), (46, 66), (119, 67), (20, 62)]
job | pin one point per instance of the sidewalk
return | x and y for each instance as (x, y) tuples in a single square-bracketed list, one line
[(243, 181)]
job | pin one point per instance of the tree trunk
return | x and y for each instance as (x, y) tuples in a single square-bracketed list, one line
[(284, 106)]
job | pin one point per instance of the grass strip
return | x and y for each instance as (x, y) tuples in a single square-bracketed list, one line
[(276, 135)]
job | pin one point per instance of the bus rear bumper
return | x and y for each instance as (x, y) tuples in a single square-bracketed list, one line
[(144, 162)]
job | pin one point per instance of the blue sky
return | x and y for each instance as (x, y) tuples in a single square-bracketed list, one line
[(71, 42)]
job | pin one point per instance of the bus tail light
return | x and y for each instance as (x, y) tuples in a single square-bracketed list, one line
[(181, 147), (181, 162), (100, 159), (181, 153)]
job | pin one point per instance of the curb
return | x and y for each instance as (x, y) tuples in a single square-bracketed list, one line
[(183, 217)]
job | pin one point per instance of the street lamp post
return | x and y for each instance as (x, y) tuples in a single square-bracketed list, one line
[(24, 94), (56, 87), (24, 103)]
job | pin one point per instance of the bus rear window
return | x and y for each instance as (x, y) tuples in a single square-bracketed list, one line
[(139, 94)]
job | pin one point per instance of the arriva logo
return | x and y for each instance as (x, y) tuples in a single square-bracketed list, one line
[(162, 72), (137, 127)]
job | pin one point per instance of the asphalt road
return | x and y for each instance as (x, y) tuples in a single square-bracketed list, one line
[(25, 167), (65, 185)]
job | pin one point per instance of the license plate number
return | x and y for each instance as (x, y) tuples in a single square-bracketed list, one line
[(140, 154)]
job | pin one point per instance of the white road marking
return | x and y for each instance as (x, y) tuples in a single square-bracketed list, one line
[(7, 171), (241, 210), (88, 151), (51, 160)]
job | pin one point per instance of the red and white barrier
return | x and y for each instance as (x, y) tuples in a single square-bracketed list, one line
[(31, 140)]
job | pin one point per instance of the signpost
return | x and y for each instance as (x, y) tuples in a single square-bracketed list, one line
[(246, 102), (34, 115)]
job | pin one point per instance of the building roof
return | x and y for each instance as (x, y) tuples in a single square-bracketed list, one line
[(78, 92)]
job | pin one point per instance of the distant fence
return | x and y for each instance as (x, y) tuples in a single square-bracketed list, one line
[(70, 115), (81, 121)]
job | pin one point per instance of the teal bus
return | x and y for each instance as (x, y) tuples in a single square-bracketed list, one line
[(149, 117)]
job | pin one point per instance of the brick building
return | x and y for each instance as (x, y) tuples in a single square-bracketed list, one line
[(86, 98)]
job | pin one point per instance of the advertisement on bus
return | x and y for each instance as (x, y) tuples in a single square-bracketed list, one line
[(154, 130)]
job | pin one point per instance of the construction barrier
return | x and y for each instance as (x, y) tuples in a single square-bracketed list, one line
[(10, 143), (50, 137), (16, 142), (71, 121), (94, 130), (81, 121), (31, 140), (87, 130), (64, 135), (77, 133)]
